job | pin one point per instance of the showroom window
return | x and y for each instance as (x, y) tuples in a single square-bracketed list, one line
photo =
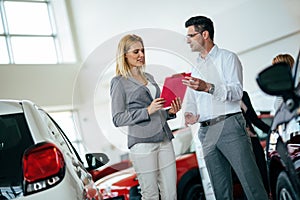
[(29, 33)]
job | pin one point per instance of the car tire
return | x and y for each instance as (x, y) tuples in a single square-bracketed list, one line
[(284, 188), (190, 186)]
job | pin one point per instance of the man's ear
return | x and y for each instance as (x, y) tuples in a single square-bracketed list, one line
[(205, 34)]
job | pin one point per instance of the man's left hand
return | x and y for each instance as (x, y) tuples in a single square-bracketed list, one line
[(196, 84)]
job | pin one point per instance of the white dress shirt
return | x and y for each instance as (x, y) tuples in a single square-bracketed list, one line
[(152, 89), (223, 69)]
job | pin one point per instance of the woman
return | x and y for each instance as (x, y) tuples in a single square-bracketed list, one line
[(282, 58), (135, 103), (287, 58), (252, 118)]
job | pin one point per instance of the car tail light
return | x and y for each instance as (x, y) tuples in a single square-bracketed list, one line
[(43, 167)]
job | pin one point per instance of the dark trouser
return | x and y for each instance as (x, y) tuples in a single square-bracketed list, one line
[(225, 145), (260, 161)]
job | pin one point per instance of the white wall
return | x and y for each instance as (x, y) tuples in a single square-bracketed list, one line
[(47, 85), (257, 30)]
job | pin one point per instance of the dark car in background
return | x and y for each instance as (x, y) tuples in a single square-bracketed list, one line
[(283, 147), (37, 160)]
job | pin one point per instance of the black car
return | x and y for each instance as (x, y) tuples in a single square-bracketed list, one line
[(283, 146)]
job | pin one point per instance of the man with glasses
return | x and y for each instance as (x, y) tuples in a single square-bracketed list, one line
[(213, 99)]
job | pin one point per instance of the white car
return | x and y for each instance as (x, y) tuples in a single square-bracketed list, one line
[(38, 162)]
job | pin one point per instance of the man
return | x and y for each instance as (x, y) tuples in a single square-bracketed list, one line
[(213, 100)]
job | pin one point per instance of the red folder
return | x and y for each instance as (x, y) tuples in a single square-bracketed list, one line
[(173, 88)]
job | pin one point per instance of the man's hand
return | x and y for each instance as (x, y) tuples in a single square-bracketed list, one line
[(190, 118), (196, 84)]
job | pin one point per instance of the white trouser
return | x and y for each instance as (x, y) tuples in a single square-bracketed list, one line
[(155, 166)]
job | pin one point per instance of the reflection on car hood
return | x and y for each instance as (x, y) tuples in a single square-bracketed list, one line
[(115, 177)]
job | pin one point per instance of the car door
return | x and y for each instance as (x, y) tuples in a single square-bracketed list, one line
[(74, 164)]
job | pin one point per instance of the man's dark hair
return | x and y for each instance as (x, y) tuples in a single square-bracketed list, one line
[(201, 23)]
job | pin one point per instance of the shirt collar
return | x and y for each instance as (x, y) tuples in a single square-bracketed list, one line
[(212, 53)]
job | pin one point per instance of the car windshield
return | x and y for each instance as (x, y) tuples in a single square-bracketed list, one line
[(183, 141), (14, 139)]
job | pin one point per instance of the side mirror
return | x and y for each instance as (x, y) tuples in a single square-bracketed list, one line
[(96, 160), (276, 80)]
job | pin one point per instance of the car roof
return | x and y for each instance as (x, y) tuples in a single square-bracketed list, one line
[(8, 106), (11, 106)]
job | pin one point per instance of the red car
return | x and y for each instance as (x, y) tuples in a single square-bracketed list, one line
[(123, 184)]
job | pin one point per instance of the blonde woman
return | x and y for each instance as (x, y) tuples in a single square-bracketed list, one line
[(135, 103), (286, 58)]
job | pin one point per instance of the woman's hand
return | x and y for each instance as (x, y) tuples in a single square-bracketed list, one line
[(155, 105), (175, 106)]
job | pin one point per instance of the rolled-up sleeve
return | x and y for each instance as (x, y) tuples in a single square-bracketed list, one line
[(232, 87)]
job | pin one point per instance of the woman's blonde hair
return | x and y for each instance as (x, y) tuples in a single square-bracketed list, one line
[(287, 58), (122, 66)]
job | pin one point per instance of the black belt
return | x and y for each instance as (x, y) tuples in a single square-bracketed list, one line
[(220, 118)]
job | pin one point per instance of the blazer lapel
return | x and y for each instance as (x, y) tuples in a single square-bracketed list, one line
[(141, 85)]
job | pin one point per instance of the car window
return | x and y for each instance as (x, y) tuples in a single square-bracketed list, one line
[(268, 119), (183, 141), (53, 129), (59, 134), (15, 138), (65, 142)]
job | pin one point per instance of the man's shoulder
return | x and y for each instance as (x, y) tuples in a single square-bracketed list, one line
[(226, 52)]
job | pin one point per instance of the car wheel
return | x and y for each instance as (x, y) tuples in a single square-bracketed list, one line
[(190, 186), (284, 188), (195, 192)]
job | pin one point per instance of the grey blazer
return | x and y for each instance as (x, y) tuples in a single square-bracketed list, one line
[(129, 102)]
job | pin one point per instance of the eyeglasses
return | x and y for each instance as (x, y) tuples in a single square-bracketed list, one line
[(188, 36)]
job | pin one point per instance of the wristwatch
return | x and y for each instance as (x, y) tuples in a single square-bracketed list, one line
[(211, 89)]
